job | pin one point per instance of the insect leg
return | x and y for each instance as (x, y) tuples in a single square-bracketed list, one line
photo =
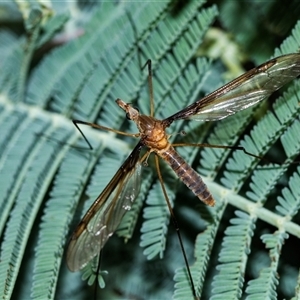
[(76, 122), (241, 148), (175, 223)]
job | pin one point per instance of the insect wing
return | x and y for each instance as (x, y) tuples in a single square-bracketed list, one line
[(104, 216), (243, 92)]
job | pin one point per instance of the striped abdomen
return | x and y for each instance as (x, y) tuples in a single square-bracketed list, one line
[(188, 175)]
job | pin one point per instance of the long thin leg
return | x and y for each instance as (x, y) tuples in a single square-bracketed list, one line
[(175, 223), (61, 143), (150, 85), (76, 122), (229, 147), (148, 63)]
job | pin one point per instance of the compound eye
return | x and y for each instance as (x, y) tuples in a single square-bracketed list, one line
[(128, 115), (135, 113)]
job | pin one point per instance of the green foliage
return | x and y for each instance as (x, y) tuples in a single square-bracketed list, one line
[(68, 64), (258, 26)]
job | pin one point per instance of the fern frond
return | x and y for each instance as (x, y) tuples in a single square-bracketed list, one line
[(263, 181), (8, 41), (56, 221), (45, 176), (263, 136), (33, 175), (233, 257), (290, 202), (51, 27), (155, 226), (264, 287), (291, 43), (202, 254)]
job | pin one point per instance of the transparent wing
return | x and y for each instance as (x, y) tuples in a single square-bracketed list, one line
[(244, 91), (104, 216)]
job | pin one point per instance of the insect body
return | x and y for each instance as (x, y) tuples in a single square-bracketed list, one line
[(104, 216), (153, 135)]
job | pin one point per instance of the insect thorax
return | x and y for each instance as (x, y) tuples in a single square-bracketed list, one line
[(152, 132)]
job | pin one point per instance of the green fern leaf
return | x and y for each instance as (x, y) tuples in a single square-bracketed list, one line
[(265, 285), (49, 177)]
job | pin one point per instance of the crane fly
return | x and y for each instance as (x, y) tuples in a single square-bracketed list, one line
[(105, 214)]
